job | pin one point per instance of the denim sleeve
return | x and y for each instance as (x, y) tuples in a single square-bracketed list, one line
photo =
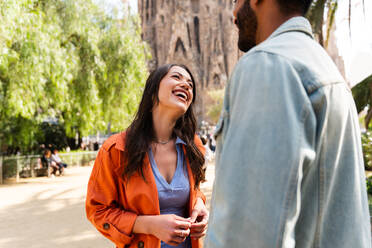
[(268, 135)]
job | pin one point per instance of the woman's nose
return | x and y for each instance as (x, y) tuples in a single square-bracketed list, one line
[(185, 85)]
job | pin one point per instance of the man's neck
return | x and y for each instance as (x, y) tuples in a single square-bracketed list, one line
[(269, 23)]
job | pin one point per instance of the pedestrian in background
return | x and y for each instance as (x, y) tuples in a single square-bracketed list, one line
[(56, 159), (49, 164)]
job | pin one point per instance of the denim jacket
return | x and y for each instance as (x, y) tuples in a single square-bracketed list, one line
[(289, 166)]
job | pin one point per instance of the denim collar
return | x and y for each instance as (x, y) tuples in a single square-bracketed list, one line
[(298, 23)]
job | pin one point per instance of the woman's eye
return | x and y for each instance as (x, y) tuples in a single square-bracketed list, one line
[(176, 76)]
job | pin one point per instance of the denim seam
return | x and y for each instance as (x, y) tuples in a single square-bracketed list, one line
[(321, 191), (320, 205), (290, 194)]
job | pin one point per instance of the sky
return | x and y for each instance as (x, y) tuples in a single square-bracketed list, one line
[(117, 5), (356, 51)]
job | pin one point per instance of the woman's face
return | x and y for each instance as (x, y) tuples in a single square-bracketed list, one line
[(176, 90)]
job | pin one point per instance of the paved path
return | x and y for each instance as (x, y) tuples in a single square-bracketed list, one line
[(49, 212)]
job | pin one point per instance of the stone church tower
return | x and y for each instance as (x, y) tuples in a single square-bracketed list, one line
[(197, 33)]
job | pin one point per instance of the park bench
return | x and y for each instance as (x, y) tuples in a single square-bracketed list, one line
[(42, 169)]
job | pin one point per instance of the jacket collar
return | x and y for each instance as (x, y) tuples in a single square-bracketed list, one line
[(297, 24), (120, 142)]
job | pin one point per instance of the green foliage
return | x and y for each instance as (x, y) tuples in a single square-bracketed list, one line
[(369, 185), (215, 106), (54, 134), (367, 150), (66, 59), (362, 94)]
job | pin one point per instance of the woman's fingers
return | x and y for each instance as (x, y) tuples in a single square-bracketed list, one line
[(194, 214), (178, 237), (182, 233), (176, 217), (198, 229), (201, 223), (182, 224), (198, 234)]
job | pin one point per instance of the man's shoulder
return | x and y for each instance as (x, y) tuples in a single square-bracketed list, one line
[(297, 52), (258, 61)]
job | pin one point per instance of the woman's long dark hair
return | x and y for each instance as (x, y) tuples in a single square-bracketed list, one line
[(140, 133)]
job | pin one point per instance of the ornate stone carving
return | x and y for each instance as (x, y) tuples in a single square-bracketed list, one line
[(197, 33)]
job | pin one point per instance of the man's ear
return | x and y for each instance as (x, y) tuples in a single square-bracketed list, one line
[(255, 3)]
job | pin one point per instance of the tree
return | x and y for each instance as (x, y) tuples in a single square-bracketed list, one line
[(66, 59), (318, 19), (362, 94)]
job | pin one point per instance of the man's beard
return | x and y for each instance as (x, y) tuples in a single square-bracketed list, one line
[(246, 20)]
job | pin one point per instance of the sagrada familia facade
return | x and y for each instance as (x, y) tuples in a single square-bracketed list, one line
[(197, 33), (200, 34)]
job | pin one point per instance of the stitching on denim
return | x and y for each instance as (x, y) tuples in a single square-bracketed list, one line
[(320, 205), (321, 185)]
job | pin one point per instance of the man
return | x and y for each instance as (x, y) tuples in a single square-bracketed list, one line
[(289, 170), (58, 161)]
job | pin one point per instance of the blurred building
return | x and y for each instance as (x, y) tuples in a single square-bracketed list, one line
[(197, 33)]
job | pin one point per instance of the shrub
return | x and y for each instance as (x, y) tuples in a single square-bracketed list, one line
[(367, 150), (369, 185)]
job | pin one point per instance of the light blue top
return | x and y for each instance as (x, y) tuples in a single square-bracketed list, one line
[(173, 197), (289, 165)]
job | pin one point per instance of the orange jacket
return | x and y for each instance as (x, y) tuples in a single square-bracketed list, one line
[(113, 204)]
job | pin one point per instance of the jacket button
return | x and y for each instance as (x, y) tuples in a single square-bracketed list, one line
[(141, 244), (106, 226)]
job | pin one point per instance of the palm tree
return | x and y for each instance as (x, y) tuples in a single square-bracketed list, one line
[(362, 92), (318, 19)]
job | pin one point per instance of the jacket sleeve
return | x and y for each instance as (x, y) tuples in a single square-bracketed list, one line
[(102, 207)]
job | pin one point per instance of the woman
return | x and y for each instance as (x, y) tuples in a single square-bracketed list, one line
[(49, 163), (144, 187)]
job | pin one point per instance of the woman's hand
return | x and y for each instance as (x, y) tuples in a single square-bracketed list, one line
[(199, 219), (170, 228)]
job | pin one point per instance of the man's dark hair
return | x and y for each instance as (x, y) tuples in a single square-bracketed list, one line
[(294, 6)]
